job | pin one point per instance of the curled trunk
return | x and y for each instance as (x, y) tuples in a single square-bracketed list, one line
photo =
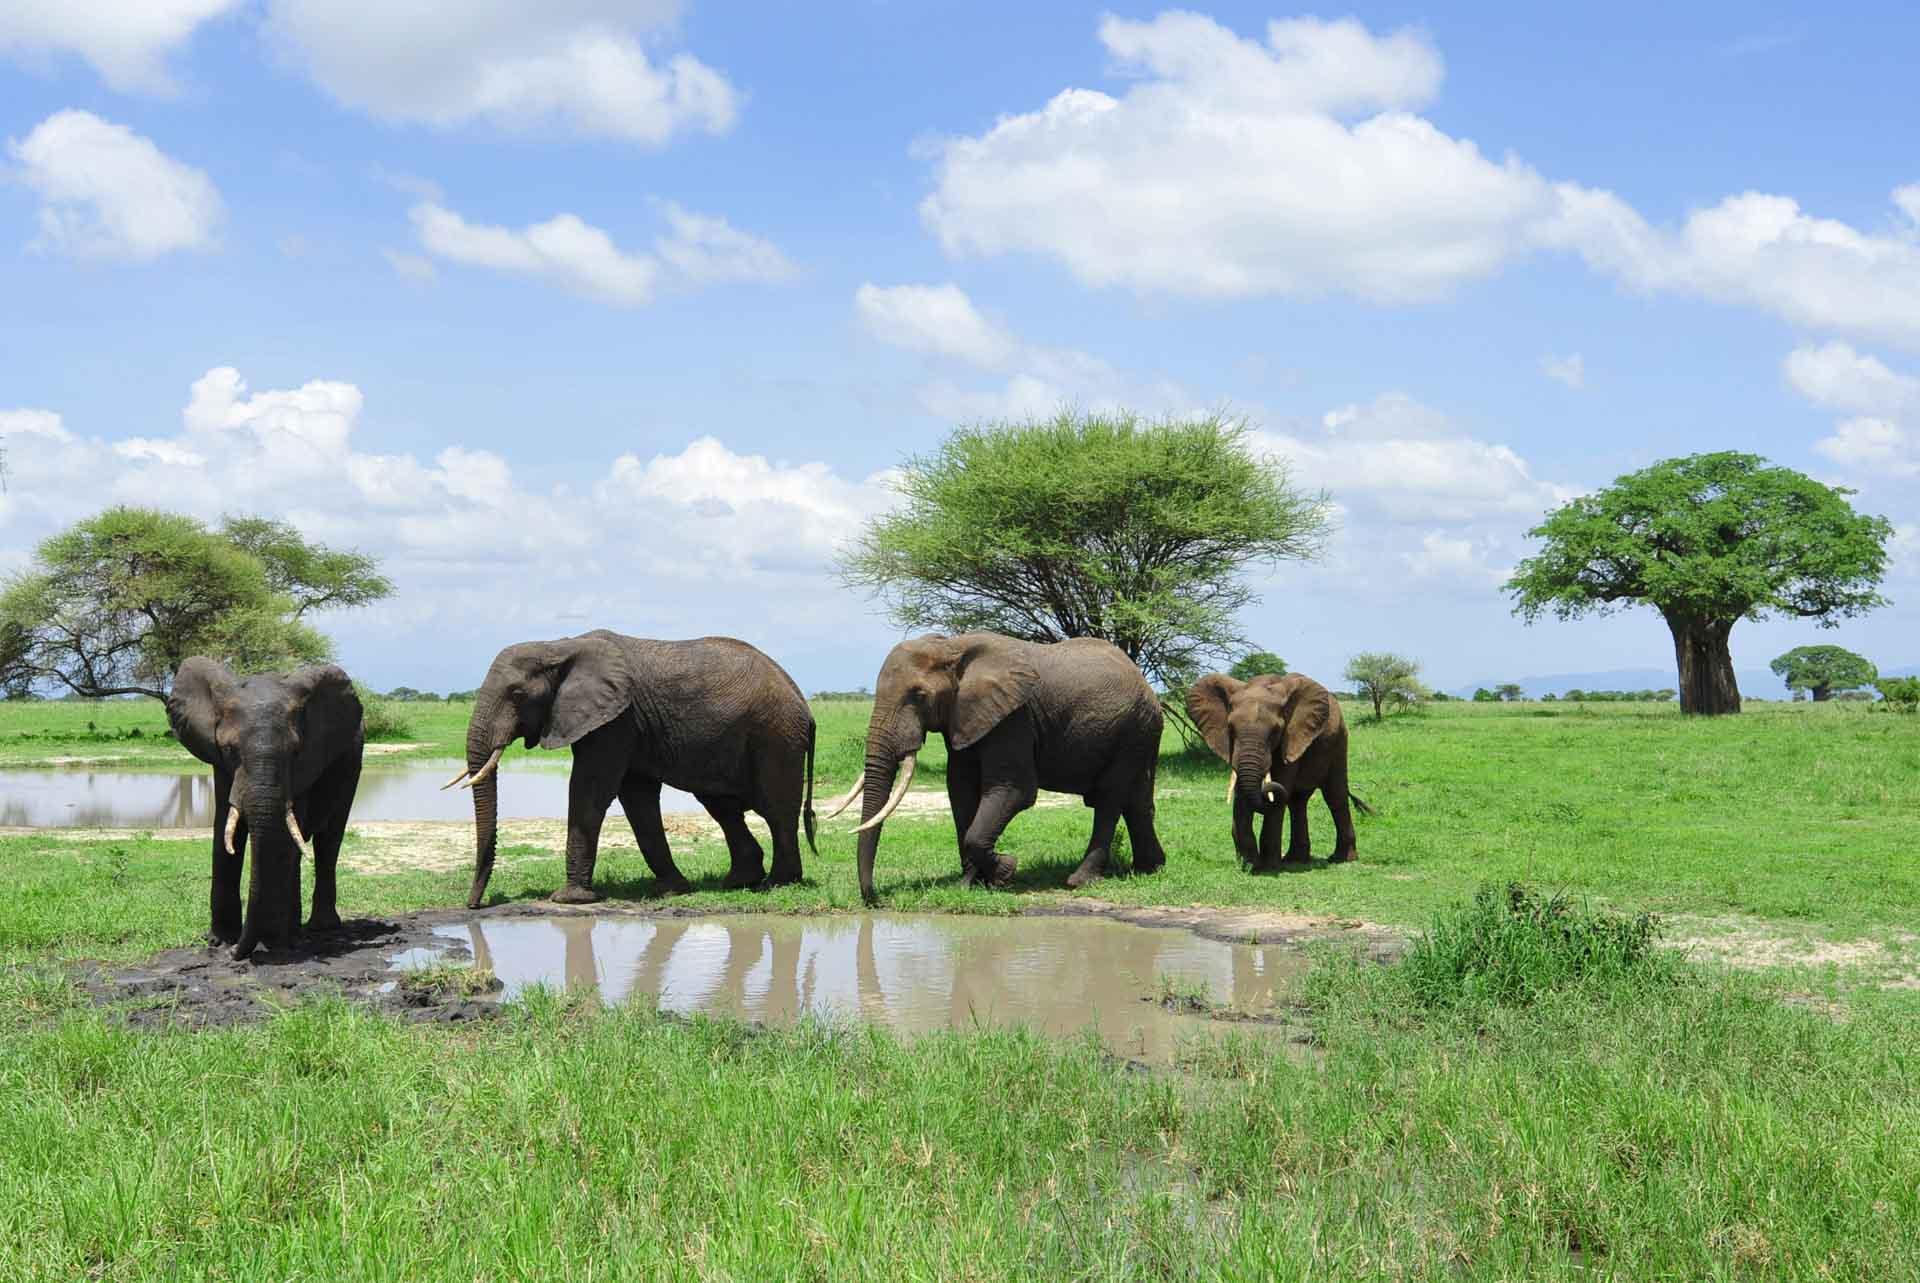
[(1249, 776), (273, 887)]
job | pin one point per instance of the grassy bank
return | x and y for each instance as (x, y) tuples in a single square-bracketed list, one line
[(1624, 1121)]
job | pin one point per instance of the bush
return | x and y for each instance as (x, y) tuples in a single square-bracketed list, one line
[(1901, 693), (1511, 945), (381, 717)]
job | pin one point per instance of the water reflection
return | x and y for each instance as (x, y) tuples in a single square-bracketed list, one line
[(914, 974), (74, 799)]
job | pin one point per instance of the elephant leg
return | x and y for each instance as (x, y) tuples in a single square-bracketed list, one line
[(963, 796), (590, 791), (783, 824), (1148, 855), (1299, 840), (1106, 817), (782, 794), (749, 862), (224, 924), (1345, 845), (1273, 827), (998, 805), (333, 803), (640, 799)]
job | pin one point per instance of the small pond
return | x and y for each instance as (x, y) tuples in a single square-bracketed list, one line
[(78, 798), (1059, 975)]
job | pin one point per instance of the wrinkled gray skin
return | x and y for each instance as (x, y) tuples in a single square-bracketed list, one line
[(714, 717), (1073, 716), (273, 740), (1289, 728)]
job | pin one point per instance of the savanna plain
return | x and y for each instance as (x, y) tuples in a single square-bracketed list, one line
[(1658, 1019)]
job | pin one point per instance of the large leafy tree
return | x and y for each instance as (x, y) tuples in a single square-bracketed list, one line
[(1258, 663), (1089, 526), (1822, 670), (112, 605), (1707, 540)]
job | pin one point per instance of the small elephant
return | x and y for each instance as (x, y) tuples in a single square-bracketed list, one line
[(285, 750), (1074, 716), (714, 717), (1284, 738)]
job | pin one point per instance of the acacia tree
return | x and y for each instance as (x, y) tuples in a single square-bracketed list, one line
[(1088, 526), (112, 605), (1386, 678), (1508, 692), (1707, 540), (1822, 670)]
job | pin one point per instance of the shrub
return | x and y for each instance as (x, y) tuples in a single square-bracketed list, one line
[(382, 717), (1511, 945), (1901, 693)]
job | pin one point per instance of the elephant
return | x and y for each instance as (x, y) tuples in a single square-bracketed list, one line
[(1073, 716), (713, 716), (285, 750), (1284, 738)]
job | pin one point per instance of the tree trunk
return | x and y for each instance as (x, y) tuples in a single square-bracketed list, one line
[(1707, 686), (1822, 693)]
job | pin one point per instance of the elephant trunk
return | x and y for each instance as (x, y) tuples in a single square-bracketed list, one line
[(880, 769), (273, 888), (480, 749), (1252, 776)]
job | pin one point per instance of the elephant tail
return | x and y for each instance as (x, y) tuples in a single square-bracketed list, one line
[(806, 810), (1358, 805)]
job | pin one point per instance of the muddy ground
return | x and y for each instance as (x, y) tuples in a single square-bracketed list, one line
[(201, 987)]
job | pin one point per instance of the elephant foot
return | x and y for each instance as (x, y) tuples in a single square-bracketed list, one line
[(219, 936), (1298, 859), (329, 921), (1090, 870), (675, 885), (738, 878), (781, 877), (998, 874), (571, 894), (1343, 857), (1144, 863)]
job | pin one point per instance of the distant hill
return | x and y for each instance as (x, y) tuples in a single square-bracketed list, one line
[(1760, 683)]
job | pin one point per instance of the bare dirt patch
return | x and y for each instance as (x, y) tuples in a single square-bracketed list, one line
[(383, 750), (1243, 925), (1755, 945)]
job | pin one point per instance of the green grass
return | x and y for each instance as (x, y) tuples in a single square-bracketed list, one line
[(1538, 1095)]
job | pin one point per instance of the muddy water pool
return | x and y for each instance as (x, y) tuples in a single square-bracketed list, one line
[(67, 798), (913, 974)]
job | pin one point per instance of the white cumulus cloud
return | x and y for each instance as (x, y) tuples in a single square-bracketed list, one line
[(583, 259), (1570, 370), (938, 319), (127, 42), (1297, 165), (106, 192), (582, 66), (1835, 377)]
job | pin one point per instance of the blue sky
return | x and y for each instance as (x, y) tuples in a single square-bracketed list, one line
[(614, 312)]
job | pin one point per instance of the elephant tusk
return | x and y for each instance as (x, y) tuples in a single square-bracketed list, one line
[(893, 801), (233, 824), (457, 777), (486, 770), (293, 827), (1232, 780), (834, 808), (1267, 787)]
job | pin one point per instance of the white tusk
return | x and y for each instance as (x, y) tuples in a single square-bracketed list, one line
[(1266, 788), (843, 803), (1232, 779), (293, 827), (233, 824), (486, 770), (458, 776), (893, 801)]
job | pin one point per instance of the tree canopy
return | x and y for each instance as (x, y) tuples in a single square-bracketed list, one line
[(112, 605), (1822, 670), (1257, 663), (1088, 526), (1707, 540), (1386, 678)]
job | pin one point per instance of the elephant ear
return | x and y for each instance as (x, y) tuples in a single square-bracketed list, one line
[(330, 714), (1308, 709), (995, 679), (594, 688), (1209, 700), (201, 689)]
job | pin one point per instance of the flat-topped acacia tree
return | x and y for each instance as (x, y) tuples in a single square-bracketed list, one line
[(1707, 540), (1089, 525), (1822, 670)]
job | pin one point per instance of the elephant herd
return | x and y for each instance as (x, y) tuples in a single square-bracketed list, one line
[(717, 718)]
